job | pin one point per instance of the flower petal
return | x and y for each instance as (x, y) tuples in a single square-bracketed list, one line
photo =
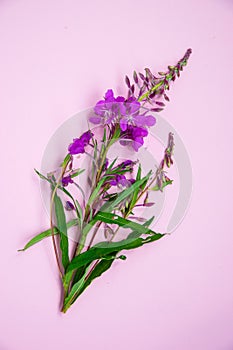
[(120, 99), (109, 96), (150, 120), (95, 119), (86, 137), (123, 124), (134, 106), (139, 132), (140, 120), (99, 107), (76, 147), (137, 143)]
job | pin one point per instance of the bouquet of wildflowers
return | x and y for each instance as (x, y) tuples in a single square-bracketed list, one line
[(111, 202)]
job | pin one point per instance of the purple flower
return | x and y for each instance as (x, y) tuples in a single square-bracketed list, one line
[(144, 120), (132, 181), (117, 109), (131, 116), (108, 109), (119, 180), (78, 145), (126, 163), (66, 180), (86, 137), (105, 166), (134, 135), (69, 206)]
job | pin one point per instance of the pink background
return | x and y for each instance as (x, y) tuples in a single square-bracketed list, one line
[(58, 57)]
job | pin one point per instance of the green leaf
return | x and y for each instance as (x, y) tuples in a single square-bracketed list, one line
[(111, 205), (117, 171), (111, 165), (79, 287), (95, 193), (136, 233), (113, 219), (136, 192), (45, 234), (104, 136), (77, 206), (100, 268), (62, 227), (102, 249), (79, 273), (76, 173), (165, 183), (75, 202), (66, 160), (42, 176), (110, 218), (74, 293)]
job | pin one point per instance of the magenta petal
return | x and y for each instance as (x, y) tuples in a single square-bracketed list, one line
[(122, 108), (150, 120), (125, 142), (134, 106), (66, 180), (99, 107), (109, 96), (95, 120), (123, 124), (139, 120), (138, 142), (120, 99), (76, 147), (139, 132), (123, 182), (113, 182), (86, 137)]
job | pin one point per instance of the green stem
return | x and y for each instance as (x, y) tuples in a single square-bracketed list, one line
[(168, 76), (51, 218), (147, 94), (85, 230)]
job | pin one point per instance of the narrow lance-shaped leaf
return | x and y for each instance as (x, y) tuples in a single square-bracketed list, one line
[(110, 218), (62, 227), (75, 202), (85, 280), (136, 192), (99, 269), (164, 184), (48, 233), (133, 234), (74, 291), (136, 233), (111, 205), (102, 249), (77, 173), (95, 193)]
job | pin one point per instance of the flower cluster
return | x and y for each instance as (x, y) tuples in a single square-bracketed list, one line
[(149, 88), (134, 136), (78, 145), (126, 113), (108, 109)]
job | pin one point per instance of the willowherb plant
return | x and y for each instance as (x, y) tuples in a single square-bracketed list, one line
[(115, 190)]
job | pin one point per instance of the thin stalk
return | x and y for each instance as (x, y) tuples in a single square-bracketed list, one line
[(94, 234), (147, 94), (51, 220)]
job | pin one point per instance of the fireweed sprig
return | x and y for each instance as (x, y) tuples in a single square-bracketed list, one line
[(115, 189)]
